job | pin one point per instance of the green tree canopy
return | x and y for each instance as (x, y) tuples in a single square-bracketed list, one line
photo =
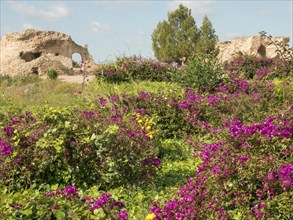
[(208, 39), (176, 39)]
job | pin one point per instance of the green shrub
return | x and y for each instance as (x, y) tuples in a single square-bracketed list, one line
[(53, 74), (203, 72), (174, 150), (136, 68)]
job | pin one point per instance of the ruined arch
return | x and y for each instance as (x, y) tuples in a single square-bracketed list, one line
[(261, 51), (76, 59)]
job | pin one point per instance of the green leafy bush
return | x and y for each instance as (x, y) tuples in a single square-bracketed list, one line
[(53, 74), (203, 72)]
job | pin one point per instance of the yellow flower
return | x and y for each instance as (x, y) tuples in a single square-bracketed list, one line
[(148, 127), (150, 134), (150, 216)]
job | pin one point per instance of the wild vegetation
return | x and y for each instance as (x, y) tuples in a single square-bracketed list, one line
[(139, 143), (151, 140)]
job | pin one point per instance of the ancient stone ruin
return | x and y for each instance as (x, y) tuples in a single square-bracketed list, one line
[(35, 51), (254, 45)]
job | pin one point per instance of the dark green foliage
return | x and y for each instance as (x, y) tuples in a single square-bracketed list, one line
[(53, 74), (203, 72), (208, 38), (178, 38), (175, 39)]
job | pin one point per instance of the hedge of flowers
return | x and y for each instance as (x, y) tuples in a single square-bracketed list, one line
[(136, 68)]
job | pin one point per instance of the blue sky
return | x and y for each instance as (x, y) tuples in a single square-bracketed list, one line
[(117, 28)]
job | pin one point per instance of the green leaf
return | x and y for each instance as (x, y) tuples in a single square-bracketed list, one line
[(93, 137), (55, 186), (67, 124), (58, 148), (27, 212), (59, 214)]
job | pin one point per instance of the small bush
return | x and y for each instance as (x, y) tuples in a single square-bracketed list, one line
[(136, 68), (251, 67), (247, 67), (203, 72), (53, 74)]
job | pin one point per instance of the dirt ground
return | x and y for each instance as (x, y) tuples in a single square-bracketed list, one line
[(75, 79)]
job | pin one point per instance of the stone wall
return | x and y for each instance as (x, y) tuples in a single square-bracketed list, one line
[(35, 51), (254, 45)]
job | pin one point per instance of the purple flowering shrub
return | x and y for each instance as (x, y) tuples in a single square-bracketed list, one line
[(248, 66), (251, 67), (243, 172), (58, 203), (109, 207), (69, 146), (135, 68), (170, 122)]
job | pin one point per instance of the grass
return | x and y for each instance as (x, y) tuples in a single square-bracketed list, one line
[(31, 91)]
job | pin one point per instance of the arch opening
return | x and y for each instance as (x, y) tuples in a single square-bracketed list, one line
[(76, 60), (261, 51)]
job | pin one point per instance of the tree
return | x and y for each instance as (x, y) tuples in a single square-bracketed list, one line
[(175, 39), (208, 39)]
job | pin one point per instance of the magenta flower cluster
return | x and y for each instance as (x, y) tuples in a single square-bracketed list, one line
[(282, 129), (229, 167), (6, 148), (107, 204), (285, 173), (68, 192)]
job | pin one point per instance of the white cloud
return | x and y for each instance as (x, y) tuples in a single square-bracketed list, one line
[(28, 26), (54, 12), (198, 8), (101, 28)]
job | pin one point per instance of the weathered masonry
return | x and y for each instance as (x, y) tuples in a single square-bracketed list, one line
[(35, 51)]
